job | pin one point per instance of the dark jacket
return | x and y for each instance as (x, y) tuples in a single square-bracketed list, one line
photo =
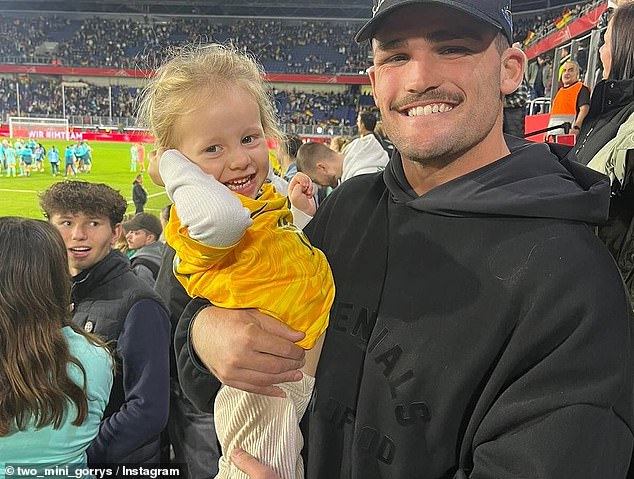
[(139, 196), (111, 301), (611, 105), (480, 330)]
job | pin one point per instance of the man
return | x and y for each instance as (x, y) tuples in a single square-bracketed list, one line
[(366, 122), (480, 329), (139, 194), (572, 101), (327, 167), (143, 233), (110, 301)]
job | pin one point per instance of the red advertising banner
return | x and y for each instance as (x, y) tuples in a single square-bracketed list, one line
[(128, 137), (568, 32)]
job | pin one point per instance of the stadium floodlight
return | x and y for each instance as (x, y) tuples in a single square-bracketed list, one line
[(39, 128)]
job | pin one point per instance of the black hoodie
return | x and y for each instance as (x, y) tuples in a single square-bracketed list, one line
[(480, 330)]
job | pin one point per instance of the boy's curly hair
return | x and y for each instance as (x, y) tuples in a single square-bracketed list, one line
[(92, 199)]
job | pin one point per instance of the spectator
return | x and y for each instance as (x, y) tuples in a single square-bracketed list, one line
[(539, 86), (143, 233), (110, 301), (329, 168), (55, 379), (121, 243), (607, 136), (338, 143), (288, 156), (469, 285), (139, 194), (366, 123), (572, 101)]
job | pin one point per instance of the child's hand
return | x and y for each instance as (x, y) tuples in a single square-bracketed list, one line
[(153, 168), (300, 192)]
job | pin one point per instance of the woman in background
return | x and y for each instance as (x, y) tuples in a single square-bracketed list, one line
[(606, 140), (55, 379)]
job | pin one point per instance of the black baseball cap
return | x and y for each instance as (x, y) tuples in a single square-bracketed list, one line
[(494, 12), (144, 221)]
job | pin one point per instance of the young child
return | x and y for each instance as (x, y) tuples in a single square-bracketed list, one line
[(234, 237)]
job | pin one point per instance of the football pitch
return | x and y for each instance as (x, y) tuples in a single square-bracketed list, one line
[(19, 196)]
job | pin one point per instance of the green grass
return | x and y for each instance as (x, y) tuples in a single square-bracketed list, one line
[(110, 165)]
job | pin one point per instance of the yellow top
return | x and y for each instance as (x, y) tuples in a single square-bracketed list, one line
[(273, 268)]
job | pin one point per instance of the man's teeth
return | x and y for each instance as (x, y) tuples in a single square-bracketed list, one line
[(236, 185), (81, 250), (429, 109)]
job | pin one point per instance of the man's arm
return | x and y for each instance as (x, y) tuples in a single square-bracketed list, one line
[(143, 348), (583, 105), (243, 348)]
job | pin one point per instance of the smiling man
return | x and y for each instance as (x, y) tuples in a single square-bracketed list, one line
[(479, 329), (111, 301)]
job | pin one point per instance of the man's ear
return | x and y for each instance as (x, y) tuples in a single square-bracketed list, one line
[(116, 232), (372, 76), (511, 70), (321, 166)]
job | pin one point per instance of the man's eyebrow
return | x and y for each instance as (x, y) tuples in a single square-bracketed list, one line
[(437, 36)]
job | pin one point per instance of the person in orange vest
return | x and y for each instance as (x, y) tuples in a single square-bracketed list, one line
[(573, 98)]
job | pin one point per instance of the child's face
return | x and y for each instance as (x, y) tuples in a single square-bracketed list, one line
[(225, 138)]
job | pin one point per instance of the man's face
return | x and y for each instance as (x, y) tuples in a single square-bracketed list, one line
[(570, 74), (139, 238), (88, 239), (437, 80), (325, 175)]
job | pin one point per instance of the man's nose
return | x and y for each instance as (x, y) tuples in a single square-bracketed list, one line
[(79, 232), (420, 75)]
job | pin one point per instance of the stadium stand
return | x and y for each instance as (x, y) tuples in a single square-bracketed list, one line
[(137, 42)]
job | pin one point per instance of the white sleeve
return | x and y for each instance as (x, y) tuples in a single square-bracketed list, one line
[(211, 212), (300, 219)]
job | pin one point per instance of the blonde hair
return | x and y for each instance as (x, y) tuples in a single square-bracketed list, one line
[(338, 143), (175, 88)]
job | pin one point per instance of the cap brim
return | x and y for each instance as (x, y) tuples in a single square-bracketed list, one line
[(368, 30)]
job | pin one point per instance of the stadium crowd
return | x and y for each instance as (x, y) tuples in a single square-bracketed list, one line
[(532, 28), (282, 46), (43, 97)]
